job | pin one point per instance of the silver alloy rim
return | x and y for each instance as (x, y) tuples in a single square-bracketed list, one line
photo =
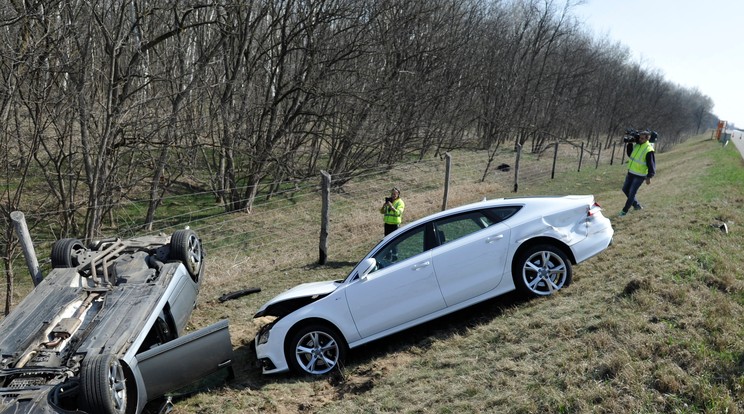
[(317, 352), (544, 273), (117, 386), (194, 253)]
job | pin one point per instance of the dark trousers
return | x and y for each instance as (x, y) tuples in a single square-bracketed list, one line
[(630, 188), (389, 228)]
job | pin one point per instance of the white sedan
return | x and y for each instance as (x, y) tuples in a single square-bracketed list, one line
[(431, 267)]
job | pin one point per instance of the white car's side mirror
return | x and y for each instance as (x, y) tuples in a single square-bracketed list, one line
[(366, 267)]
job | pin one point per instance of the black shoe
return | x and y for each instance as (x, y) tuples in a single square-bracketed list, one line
[(638, 207)]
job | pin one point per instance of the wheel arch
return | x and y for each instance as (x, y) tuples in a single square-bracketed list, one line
[(133, 391), (313, 321), (543, 240)]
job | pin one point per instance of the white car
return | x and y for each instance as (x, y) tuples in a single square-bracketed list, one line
[(431, 267)]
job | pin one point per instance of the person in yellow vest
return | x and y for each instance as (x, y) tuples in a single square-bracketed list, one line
[(393, 211), (641, 167)]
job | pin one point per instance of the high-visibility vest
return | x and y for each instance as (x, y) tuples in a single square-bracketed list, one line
[(637, 163), (392, 216)]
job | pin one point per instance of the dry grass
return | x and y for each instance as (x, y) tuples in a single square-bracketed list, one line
[(653, 324)]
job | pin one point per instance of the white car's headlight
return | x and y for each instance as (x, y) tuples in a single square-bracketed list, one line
[(263, 335)]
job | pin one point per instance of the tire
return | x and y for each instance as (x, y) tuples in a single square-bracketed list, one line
[(102, 385), (66, 252), (542, 270), (315, 350), (186, 247)]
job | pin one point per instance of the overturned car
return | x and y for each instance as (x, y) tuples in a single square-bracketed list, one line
[(105, 331)]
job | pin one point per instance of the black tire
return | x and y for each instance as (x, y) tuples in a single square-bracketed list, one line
[(315, 350), (102, 385), (541, 270), (66, 252), (186, 247)]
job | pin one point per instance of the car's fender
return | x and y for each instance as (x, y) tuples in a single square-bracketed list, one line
[(334, 309)]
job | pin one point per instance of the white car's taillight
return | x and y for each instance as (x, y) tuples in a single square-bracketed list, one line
[(594, 209)]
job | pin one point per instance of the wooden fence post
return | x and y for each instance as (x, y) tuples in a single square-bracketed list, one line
[(325, 184), (599, 155), (555, 158), (19, 222), (516, 168), (447, 169), (612, 158), (581, 156)]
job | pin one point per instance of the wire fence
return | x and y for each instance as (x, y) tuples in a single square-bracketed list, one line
[(277, 222), (291, 218)]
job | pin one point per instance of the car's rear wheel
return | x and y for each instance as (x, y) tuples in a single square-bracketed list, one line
[(542, 270), (186, 247), (67, 253), (316, 350), (103, 386)]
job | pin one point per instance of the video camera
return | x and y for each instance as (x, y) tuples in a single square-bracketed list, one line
[(631, 135), (388, 199)]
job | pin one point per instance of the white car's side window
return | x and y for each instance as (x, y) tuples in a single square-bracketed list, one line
[(401, 248), (459, 226), (502, 213), (455, 227)]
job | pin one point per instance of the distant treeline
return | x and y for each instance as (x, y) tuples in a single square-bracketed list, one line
[(103, 101)]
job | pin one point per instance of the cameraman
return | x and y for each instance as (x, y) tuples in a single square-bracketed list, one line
[(641, 167), (393, 211)]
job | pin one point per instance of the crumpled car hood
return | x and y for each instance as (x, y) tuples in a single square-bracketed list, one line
[(297, 297)]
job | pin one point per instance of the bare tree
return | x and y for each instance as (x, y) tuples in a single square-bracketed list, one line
[(108, 101)]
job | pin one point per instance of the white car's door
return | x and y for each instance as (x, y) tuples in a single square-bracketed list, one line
[(472, 256), (403, 288)]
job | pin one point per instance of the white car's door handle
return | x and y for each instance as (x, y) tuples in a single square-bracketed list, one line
[(421, 265), (494, 238)]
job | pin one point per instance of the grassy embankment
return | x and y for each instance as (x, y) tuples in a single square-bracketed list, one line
[(653, 324)]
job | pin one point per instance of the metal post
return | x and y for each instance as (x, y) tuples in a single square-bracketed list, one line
[(447, 169), (555, 158)]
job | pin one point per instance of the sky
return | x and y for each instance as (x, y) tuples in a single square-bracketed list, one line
[(694, 43)]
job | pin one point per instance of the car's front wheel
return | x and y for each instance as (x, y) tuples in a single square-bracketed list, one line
[(315, 350), (542, 270), (103, 386)]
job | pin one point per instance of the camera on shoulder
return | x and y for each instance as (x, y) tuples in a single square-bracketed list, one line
[(632, 135), (388, 199)]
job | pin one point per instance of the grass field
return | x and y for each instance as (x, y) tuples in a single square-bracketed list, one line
[(653, 324)]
